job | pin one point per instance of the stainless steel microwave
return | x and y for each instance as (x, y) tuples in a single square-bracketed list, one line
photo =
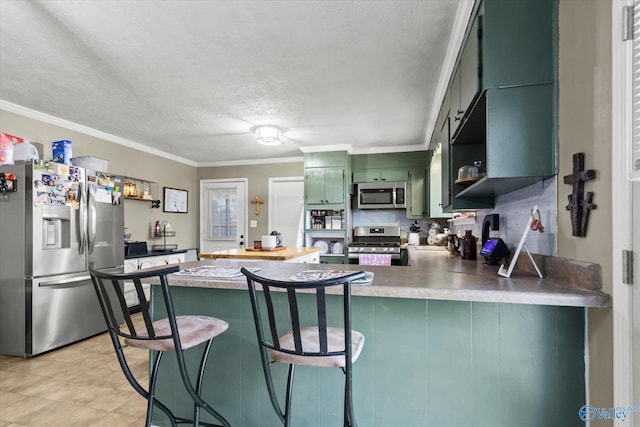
[(382, 195)]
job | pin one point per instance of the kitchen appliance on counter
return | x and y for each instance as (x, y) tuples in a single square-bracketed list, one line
[(375, 240), (382, 195), (59, 219)]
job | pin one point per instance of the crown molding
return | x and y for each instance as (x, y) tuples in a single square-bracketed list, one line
[(460, 24), (66, 124), (251, 162)]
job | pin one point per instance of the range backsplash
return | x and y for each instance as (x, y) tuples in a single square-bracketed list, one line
[(514, 210)]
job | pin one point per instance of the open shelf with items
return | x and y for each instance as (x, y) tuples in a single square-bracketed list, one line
[(140, 189), (332, 244), (163, 233), (325, 219)]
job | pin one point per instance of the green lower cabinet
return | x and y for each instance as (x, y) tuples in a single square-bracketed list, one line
[(425, 363)]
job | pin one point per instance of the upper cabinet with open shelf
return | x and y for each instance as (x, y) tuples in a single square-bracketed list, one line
[(500, 105)]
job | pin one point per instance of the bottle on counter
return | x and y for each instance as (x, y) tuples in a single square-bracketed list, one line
[(157, 228), (468, 248)]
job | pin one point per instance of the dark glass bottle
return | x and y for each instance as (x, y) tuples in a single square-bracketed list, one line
[(468, 247)]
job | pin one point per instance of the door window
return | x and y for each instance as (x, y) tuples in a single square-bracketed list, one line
[(222, 214)]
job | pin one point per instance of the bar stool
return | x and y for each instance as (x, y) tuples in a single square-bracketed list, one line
[(315, 345), (173, 333)]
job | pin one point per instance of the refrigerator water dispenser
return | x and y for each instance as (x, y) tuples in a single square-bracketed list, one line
[(56, 228)]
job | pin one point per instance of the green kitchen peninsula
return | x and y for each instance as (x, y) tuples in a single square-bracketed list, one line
[(446, 344)]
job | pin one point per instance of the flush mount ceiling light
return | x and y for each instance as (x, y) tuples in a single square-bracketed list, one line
[(268, 134)]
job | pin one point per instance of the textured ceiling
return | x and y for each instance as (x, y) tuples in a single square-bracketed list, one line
[(191, 78)]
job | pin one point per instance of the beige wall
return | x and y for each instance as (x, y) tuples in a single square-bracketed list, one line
[(258, 185), (585, 126), (123, 161), (167, 173)]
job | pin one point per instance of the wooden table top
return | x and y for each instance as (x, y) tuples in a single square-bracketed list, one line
[(277, 255)]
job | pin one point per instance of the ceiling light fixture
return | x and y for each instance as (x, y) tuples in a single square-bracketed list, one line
[(268, 134)]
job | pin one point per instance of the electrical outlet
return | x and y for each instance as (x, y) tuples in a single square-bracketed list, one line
[(253, 223)]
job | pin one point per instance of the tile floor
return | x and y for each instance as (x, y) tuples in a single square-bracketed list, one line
[(79, 385)]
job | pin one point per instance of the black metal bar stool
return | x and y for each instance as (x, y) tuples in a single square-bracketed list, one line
[(315, 345), (173, 333)]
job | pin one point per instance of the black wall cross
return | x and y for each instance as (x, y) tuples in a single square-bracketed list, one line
[(578, 206)]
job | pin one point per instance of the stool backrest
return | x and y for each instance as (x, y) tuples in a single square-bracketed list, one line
[(289, 318), (109, 287)]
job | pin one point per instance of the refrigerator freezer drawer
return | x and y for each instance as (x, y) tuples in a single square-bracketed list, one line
[(64, 310)]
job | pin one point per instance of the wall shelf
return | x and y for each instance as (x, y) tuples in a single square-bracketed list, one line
[(140, 189)]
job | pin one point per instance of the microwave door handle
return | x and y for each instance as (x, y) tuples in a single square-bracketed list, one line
[(82, 219), (92, 222)]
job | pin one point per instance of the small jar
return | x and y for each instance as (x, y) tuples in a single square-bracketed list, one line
[(468, 248)]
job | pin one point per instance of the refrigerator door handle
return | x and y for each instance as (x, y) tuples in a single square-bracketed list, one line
[(65, 281), (93, 225), (82, 219)]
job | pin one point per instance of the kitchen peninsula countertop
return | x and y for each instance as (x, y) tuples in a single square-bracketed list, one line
[(432, 275), (274, 255)]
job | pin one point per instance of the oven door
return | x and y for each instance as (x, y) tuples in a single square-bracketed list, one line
[(355, 252)]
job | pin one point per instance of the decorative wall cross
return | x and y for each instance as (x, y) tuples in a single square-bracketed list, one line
[(579, 207), (257, 202)]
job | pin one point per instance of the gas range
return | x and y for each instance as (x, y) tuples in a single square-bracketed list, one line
[(375, 240)]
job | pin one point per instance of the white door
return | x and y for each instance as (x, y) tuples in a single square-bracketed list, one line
[(626, 207), (223, 214), (635, 212), (286, 207), (635, 334)]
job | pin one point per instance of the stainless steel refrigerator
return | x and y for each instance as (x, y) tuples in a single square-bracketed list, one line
[(55, 220)]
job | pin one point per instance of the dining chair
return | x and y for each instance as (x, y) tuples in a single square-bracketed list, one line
[(173, 333), (316, 344)]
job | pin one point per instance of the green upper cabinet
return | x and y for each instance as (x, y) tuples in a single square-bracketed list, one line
[(326, 158), (324, 186), (517, 42), (410, 167), (465, 83), (377, 175), (501, 104), (416, 207), (326, 179)]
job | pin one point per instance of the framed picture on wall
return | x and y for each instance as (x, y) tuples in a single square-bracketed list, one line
[(175, 200)]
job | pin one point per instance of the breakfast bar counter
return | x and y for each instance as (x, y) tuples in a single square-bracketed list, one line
[(447, 343), (434, 276)]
